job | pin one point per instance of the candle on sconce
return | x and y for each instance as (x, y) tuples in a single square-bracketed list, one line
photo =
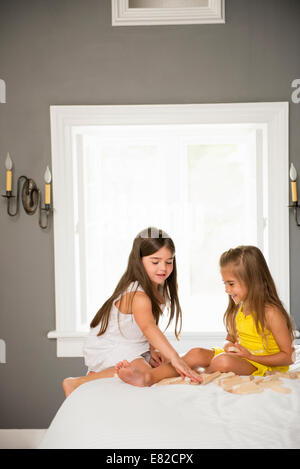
[(8, 166), (47, 178), (293, 176)]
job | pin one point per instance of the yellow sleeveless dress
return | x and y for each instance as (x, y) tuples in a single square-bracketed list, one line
[(255, 343)]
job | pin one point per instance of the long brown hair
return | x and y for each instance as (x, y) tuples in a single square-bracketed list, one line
[(147, 242), (249, 266)]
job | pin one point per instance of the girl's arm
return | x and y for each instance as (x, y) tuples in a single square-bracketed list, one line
[(157, 357), (229, 343), (142, 311), (230, 340), (276, 323)]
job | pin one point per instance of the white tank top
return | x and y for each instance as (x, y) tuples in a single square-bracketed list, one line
[(122, 340)]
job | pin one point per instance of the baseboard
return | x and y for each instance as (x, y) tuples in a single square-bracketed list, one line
[(21, 439)]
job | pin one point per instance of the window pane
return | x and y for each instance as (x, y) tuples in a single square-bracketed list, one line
[(202, 194), (222, 201), (125, 192), (167, 3)]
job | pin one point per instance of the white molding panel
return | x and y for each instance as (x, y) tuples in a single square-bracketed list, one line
[(67, 122), (123, 15), (70, 344)]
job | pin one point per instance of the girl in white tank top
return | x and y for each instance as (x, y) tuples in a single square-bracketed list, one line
[(122, 338), (126, 325)]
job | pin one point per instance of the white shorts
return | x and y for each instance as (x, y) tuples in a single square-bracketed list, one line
[(109, 362)]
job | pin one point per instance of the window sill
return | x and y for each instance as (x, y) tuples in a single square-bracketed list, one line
[(70, 344)]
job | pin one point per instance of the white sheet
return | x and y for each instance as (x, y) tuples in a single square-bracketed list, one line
[(111, 414)]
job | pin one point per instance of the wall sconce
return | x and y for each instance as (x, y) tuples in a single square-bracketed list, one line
[(295, 205), (30, 194)]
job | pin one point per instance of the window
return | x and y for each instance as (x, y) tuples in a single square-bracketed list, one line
[(213, 176)]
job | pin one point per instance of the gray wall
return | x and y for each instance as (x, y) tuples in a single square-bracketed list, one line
[(67, 52)]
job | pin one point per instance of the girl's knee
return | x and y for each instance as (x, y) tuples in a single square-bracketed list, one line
[(198, 357), (222, 362), (196, 352)]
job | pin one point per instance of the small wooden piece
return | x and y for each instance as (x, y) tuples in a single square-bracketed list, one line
[(270, 383), (177, 380), (281, 389), (233, 349), (236, 380), (209, 377), (293, 375), (270, 378), (224, 377), (247, 388), (288, 375), (259, 385), (236, 384)]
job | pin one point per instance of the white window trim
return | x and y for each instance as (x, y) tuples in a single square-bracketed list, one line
[(122, 15), (64, 122)]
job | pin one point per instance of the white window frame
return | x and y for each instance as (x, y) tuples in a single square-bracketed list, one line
[(123, 15), (65, 122)]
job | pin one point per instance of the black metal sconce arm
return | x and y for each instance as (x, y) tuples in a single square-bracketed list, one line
[(31, 200), (295, 207)]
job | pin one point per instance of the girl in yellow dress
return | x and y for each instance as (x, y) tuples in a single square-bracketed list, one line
[(260, 332)]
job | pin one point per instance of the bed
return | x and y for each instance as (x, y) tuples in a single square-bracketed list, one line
[(110, 414)]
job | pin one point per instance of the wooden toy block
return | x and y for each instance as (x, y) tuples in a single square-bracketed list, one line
[(279, 388), (230, 382), (194, 383), (233, 349), (247, 388), (288, 375), (176, 380), (225, 376), (267, 379), (209, 377), (270, 383), (271, 378), (293, 375), (257, 386), (257, 379)]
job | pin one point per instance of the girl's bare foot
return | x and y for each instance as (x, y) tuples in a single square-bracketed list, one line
[(121, 364), (131, 375), (69, 384)]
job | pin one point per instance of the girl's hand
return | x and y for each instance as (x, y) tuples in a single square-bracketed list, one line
[(157, 358), (228, 346), (242, 351), (184, 370)]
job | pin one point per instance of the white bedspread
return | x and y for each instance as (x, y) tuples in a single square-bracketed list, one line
[(108, 413)]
